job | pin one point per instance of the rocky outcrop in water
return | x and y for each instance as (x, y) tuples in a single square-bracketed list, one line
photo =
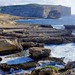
[(39, 52), (69, 27), (70, 65)]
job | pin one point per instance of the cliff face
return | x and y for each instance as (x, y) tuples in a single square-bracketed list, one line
[(54, 14), (33, 10)]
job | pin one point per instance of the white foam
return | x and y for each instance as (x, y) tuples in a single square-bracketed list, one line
[(64, 50)]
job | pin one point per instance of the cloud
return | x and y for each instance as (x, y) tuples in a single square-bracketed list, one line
[(70, 3)]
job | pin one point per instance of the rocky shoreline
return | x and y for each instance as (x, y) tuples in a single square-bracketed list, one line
[(15, 37)]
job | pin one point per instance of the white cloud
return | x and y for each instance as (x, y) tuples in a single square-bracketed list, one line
[(70, 3)]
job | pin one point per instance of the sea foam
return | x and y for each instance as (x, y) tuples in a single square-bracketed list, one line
[(63, 50)]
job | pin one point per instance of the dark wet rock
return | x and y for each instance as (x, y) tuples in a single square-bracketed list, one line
[(6, 67), (37, 52), (70, 65), (61, 60), (46, 26), (69, 27), (0, 59), (10, 52)]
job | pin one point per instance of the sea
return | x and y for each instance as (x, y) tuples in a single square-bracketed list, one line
[(62, 50)]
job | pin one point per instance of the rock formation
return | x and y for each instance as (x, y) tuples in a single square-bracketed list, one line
[(54, 14), (36, 10)]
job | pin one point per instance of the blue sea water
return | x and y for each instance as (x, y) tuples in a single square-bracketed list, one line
[(66, 20)]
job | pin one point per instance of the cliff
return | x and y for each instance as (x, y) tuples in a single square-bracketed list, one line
[(35, 10)]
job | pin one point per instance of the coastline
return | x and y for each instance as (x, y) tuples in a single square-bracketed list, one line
[(32, 37)]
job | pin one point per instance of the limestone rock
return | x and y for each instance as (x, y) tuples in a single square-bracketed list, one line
[(38, 52)]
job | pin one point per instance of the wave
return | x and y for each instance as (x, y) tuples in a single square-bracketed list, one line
[(63, 50)]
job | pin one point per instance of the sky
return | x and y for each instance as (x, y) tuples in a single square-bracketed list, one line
[(69, 3)]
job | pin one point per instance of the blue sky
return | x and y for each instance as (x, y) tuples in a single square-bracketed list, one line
[(70, 3)]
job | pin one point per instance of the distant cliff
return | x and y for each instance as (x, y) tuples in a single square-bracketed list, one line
[(35, 10)]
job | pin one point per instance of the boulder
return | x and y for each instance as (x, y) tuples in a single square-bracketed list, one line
[(70, 65), (38, 52)]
